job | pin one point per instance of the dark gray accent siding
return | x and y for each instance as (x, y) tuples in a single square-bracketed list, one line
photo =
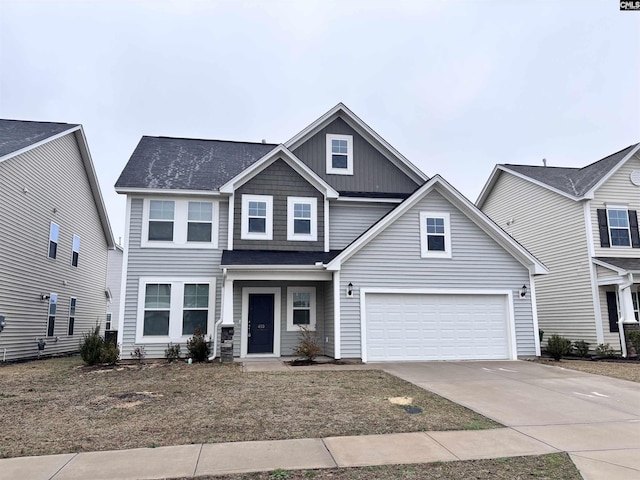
[(57, 190), (280, 181), (349, 220), (372, 171)]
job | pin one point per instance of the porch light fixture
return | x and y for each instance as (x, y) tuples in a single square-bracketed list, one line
[(44, 297), (523, 291), (350, 290)]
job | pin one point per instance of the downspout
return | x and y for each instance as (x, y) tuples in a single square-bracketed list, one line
[(623, 308), (219, 321)]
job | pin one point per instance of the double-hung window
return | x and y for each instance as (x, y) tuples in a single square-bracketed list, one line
[(340, 154), (157, 306), (195, 313), (75, 251), (301, 308), (51, 319), (200, 220), (302, 218), (161, 213), (636, 305), (54, 232), (619, 231), (435, 236), (107, 325), (180, 223), (72, 314), (257, 217)]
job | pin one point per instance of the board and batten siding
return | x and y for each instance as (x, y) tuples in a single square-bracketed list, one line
[(349, 220), (617, 190), (166, 262), (552, 228), (372, 171), (280, 181), (48, 184), (392, 260)]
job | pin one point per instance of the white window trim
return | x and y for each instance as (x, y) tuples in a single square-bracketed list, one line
[(53, 299), (245, 234), (340, 171), (108, 320), (57, 240), (626, 209), (175, 309), (73, 250), (424, 251), (306, 237), (180, 224), (75, 314), (291, 327)]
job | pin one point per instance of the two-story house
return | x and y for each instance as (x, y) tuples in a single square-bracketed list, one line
[(583, 224), (333, 230), (54, 238)]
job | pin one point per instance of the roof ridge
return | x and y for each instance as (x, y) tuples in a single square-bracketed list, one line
[(39, 121), (608, 156), (165, 137)]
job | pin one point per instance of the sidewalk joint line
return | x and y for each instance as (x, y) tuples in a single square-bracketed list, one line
[(536, 439), (426, 433), (333, 459), (605, 461), (195, 469), (63, 466)]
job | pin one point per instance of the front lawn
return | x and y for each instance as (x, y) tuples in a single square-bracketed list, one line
[(624, 370), (59, 406)]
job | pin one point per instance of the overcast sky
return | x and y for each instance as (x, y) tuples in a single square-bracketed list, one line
[(455, 86)]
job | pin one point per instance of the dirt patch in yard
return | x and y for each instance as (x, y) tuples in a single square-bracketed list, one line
[(58, 406), (624, 370)]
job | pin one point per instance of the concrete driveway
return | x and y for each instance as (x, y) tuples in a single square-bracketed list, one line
[(594, 418)]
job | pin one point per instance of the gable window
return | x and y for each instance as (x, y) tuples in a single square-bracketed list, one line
[(301, 308), (54, 231), (161, 220), (51, 319), (107, 325), (196, 308), (75, 250), (157, 305), (302, 218), (340, 154), (72, 314), (257, 217), (618, 227), (435, 235), (200, 222)]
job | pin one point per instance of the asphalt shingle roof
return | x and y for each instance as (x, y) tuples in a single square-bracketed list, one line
[(574, 181), (18, 134), (188, 164), (275, 257), (631, 264)]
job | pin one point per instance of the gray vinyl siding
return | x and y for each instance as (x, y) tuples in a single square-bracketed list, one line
[(552, 228), (349, 220), (280, 181), (372, 171), (617, 190), (114, 282), (288, 340), (392, 260), (57, 191), (329, 327), (166, 262)]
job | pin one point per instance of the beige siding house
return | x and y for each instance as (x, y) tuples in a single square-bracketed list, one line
[(582, 223), (54, 238)]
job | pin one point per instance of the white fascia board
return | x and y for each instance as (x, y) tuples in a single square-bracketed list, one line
[(378, 142), (41, 142), (272, 268), (294, 162), (369, 200), (165, 191), (488, 186), (610, 173), (613, 268)]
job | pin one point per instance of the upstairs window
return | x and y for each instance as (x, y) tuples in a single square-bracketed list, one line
[(199, 226), (51, 319), (301, 308), (435, 237), (72, 314), (619, 228), (302, 218), (161, 220), (257, 217), (339, 154), (75, 253), (54, 231)]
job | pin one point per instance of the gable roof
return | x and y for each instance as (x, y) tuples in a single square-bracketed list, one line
[(169, 163), (439, 184), (340, 110), (619, 264), (574, 183), (17, 136)]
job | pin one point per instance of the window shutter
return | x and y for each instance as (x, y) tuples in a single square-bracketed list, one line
[(612, 310), (603, 227), (633, 224)]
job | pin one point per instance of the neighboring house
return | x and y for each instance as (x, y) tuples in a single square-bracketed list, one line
[(583, 224), (114, 286), (54, 236), (333, 230)]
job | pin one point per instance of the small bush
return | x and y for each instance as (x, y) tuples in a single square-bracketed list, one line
[(172, 352), (91, 347), (139, 353), (110, 353), (558, 346), (198, 346), (634, 338), (308, 347), (605, 350), (582, 348)]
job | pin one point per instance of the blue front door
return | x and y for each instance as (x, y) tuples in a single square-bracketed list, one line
[(260, 323)]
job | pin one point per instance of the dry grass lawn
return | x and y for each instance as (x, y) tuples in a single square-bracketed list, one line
[(622, 370), (57, 406)]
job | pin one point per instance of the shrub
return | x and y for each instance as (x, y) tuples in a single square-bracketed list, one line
[(558, 346), (110, 353), (582, 348), (308, 347), (91, 347), (172, 352), (198, 346), (605, 350), (634, 338), (139, 353)]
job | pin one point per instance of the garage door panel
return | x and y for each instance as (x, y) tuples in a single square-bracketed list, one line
[(436, 327)]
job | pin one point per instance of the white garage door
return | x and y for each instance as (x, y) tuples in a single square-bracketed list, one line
[(436, 327)]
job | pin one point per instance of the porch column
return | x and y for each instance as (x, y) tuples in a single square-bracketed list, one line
[(227, 303), (626, 305)]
